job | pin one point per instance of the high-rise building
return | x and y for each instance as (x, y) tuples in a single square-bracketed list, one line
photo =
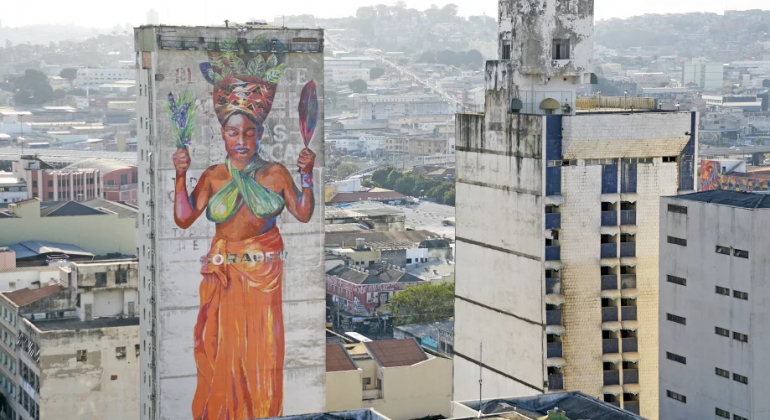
[(703, 74), (231, 239), (713, 320), (557, 220)]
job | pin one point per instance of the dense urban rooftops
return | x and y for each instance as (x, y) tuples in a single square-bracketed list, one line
[(729, 198)]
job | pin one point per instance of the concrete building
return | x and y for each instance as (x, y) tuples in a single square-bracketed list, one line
[(343, 76), (394, 377), (437, 336), (12, 188), (560, 406), (84, 323), (96, 77), (71, 223), (383, 107), (703, 74), (400, 248), (284, 344), (713, 317), (558, 214)]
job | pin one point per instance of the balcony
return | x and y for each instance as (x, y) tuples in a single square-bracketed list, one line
[(611, 377), (555, 382), (371, 394), (552, 286), (630, 376), (553, 221), (609, 218), (610, 251), (628, 217), (628, 313), (554, 350), (630, 345), (628, 281), (610, 314), (553, 253), (553, 317), (627, 249), (610, 282), (631, 406), (610, 346)]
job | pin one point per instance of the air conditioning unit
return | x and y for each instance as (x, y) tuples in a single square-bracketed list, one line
[(151, 396), (151, 364), (151, 235), (151, 332)]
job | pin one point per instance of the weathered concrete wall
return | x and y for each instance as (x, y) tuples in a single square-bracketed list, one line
[(86, 274), (104, 386), (23, 278), (176, 252), (343, 390), (705, 226), (500, 227)]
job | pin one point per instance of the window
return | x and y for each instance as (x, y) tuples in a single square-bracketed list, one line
[(740, 337), (737, 417), (740, 378), (50, 196), (674, 396), (34, 184), (740, 295), (561, 49), (677, 358), (408, 260), (120, 352), (669, 159), (723, 373), (123, 179), (723, 413), (506, 51), (82, 356), (50, 183), (723, 291), (673, 208), (137, 349), (101, 279), (740, 253), (677, 280), (678, 319), (677, 241), (121, 277), (723, 250), (555, 163), (638, 161), (721, 331), (367, 381)]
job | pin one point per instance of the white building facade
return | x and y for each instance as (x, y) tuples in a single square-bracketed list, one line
[(557, 224), (713, 317)]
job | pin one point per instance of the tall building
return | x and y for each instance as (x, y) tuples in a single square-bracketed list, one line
[(713, 318), (557, 221), (233, 308), (705, 75)]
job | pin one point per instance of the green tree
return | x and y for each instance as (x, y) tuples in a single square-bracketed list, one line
[(358, 86), (449, 197), (405, 185), (345, 169), (32, 88), (380, 176), (474, 59), (69, 74), (376, 73), (427, 57), (425, 303)]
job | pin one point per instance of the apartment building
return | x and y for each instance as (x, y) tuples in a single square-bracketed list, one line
[(557, 222), (69, 346), (713, 317)]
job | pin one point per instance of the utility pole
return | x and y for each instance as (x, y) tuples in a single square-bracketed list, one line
[(481, 369)]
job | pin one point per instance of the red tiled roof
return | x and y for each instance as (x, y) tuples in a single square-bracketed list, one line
[(337, 358), (394, 353), (26, 296)]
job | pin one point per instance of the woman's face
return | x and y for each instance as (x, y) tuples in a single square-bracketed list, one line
[(241, 137)]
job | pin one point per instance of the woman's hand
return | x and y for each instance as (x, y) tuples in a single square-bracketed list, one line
[(305, 162), (182, 161)]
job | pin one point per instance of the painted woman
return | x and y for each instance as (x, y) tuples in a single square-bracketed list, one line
[(239, 335)]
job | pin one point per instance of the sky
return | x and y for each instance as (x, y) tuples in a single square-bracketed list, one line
[(105, 13)]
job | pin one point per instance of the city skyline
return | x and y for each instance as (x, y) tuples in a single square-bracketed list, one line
[(206, 12)]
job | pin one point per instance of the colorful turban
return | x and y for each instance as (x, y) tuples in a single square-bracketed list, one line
[(245, 82)]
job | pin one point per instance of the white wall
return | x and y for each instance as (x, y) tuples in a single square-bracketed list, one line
[(26, 277)]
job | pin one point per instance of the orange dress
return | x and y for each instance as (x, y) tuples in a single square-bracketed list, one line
[(239, 339)]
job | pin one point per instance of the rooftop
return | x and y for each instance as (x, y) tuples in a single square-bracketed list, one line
[(381, 240), (575, 405), (338, 359), (104, 166), (24, 297), (345, 415), (377, 274), (69, 208), (395, 353), (729, 198), (379, 195), (31, 249), (76, 324), (429, 330)]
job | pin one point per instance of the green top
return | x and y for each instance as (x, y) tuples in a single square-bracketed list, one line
[(243, 187)]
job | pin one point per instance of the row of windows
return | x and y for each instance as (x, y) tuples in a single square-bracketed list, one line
[(736, 335), (726, 250), (677, 241), (675, 318), (719, 412), (736, 294), (9, 316)]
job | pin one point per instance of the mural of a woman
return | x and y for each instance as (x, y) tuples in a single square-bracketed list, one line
[(239, 337)]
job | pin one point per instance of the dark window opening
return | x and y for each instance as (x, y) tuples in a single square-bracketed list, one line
[(741, 254), (723, 291), (561, 49), (506, 51), (676, 318), (724, 250), (673, 208), (677, 241), (677, 358), (101, 279), (677, 280), (723, 373), (722, 331)]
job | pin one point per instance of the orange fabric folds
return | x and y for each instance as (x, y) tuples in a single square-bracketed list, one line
[(239, 342)]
